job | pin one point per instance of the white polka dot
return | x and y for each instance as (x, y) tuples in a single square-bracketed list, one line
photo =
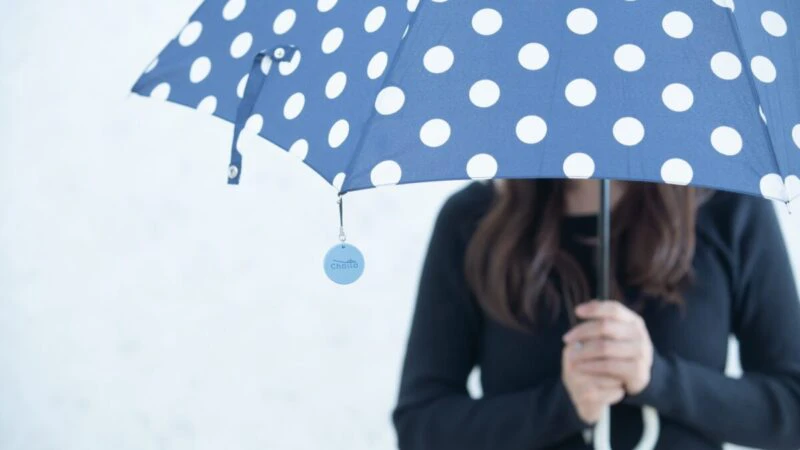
[(152, 66), (266, 65), (299, 149), (208, 105), (727, 141), (796, 135), (487, 22), (435, 133), (284, 21), (325, 5), (336, 84), (294, 106), (190, 33), (377, 65), (580, 92), (481, 167), (438, 59), (484, 93), (385, 173), (579, 165), (390, 100), (201, 67), (763, 69), (629, 57), (774, 23), (726, 4), (412, 5), (677, 171), (531, 129), (254, 124), (332, 40), (677, 97), (241, 45), (161, 92), (338, 134), (773, 187), (628, 131), (726, 65), (533, 56), (338, 180), (242, 85), (288, 67), (375, 19), (677, 24), (233, 9), (582, 21)]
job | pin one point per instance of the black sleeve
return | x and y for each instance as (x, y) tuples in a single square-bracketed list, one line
[(435, 411), (762, 408)]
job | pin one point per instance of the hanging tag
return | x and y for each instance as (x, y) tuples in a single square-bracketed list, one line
[(344, 263)]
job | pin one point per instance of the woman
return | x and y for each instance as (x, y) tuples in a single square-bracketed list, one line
[(506, 286)]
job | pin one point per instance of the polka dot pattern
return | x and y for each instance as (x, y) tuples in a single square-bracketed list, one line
[(438, 59), (484, 93), (367, 95), (579, 165), (482, 166), (487, 21)]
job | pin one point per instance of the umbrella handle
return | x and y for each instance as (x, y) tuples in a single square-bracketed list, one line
[(652, 426)]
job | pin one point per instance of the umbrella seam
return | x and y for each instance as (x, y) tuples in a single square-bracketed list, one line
[(389, 72), (754, 91)]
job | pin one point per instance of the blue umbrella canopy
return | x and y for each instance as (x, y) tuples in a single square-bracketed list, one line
[(369, 93)]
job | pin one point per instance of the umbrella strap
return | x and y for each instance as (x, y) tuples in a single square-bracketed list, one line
[(252, 91)]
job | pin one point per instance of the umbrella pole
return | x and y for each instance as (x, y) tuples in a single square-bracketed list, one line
[(602, 430), (604, 236)]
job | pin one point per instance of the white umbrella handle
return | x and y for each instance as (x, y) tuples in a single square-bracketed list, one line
[(602, 430)]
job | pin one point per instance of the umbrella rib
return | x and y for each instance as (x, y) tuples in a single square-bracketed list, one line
[(754, 91), (389, 71)]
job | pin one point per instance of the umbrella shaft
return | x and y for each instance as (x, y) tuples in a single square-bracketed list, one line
[(604, 240)]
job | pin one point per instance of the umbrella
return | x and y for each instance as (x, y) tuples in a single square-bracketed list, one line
[(376, 93)]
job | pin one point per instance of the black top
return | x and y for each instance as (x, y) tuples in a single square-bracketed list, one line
[(744, 286)]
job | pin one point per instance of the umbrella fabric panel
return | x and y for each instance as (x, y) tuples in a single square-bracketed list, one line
[(770, 42), (624, 90), (342, 54)]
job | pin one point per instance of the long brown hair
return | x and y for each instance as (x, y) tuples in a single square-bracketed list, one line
[(517, 269)]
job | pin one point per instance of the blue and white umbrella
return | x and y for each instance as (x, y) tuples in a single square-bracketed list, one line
[(382, 92)]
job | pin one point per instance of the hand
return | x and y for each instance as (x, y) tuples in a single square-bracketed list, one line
[(589, 393), (615, 343)]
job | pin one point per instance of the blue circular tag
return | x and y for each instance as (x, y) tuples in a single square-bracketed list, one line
[(344, 263)]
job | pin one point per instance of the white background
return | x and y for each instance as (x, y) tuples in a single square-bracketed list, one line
[(145, 304)]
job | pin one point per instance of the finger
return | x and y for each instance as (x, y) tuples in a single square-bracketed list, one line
[(611, 396), (601, 397), (604, 382), (606, 309), (602, 329), (618, 368), (603, 349), (584, 381)]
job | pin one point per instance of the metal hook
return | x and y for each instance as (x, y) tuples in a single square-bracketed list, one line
[(342, 236)]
